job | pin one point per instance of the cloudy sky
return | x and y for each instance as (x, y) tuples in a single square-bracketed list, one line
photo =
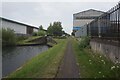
[(43, 13)]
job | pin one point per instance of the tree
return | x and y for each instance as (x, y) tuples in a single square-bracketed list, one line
[(50, 29), (55, 29), (40, 27)]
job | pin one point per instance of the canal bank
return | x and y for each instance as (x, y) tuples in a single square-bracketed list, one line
[(33, 41), (15, 57), (45, 40), (42, 65)]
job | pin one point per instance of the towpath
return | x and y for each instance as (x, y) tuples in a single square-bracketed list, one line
[(68, 67)]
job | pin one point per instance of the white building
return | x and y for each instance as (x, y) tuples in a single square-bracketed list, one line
[(19, 28), (82, 32), (82, 18)]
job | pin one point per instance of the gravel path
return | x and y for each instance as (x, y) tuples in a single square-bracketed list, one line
[(68, 67)]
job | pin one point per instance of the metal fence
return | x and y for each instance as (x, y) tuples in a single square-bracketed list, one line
[(107, 26)]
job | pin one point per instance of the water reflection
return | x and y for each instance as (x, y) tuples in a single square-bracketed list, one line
[(14, 57)]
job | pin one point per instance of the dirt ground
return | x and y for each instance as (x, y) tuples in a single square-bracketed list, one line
[(68, 67)]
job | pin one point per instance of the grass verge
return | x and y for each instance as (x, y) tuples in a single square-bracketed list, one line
[(26, 41), (44, 65), (94, 65)]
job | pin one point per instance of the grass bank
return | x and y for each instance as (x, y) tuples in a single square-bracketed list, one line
[(26, 41), (94, 65), (44, 65)]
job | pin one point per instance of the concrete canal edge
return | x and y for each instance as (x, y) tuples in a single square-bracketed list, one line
[(40, 41)]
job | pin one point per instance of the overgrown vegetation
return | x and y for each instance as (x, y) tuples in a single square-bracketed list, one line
[(60, 37), (34, 34), (94, 65), (27, 40), (84, 42), (8, 37), (21, 38), (44, 65), (41, 33)]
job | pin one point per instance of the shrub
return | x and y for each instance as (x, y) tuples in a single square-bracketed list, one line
[(20, 38), (34, 34), (59, 37), (84, 42), (41, 33), (8, 37)]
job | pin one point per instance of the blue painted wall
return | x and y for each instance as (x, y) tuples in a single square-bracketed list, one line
[(76, 28)]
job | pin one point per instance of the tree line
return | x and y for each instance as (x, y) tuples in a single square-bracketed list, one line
[(54, 29)]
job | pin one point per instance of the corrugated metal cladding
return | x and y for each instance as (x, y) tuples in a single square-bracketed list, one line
[(81, 22), (19, 28), (82, 31), (82, 18)]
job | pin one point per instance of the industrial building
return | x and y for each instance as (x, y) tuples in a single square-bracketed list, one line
[(83, 18), (82, 32), (18, 27)]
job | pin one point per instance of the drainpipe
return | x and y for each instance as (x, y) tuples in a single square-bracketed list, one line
[(99, 29)]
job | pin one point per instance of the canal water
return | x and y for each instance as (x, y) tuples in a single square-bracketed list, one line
[(14, 57)]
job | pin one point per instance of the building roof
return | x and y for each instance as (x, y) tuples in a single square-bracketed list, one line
[(88, 11), (88, 14), (18, 22)]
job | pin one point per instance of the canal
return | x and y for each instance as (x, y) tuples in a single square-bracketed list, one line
[(14, 57)]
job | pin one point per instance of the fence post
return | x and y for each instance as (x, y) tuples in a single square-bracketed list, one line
[(99, 29), (119, 22)]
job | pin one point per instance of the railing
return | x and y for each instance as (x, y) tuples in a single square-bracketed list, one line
[(107, 26)]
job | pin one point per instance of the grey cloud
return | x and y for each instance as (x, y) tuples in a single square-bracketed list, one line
[(42, 13)]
